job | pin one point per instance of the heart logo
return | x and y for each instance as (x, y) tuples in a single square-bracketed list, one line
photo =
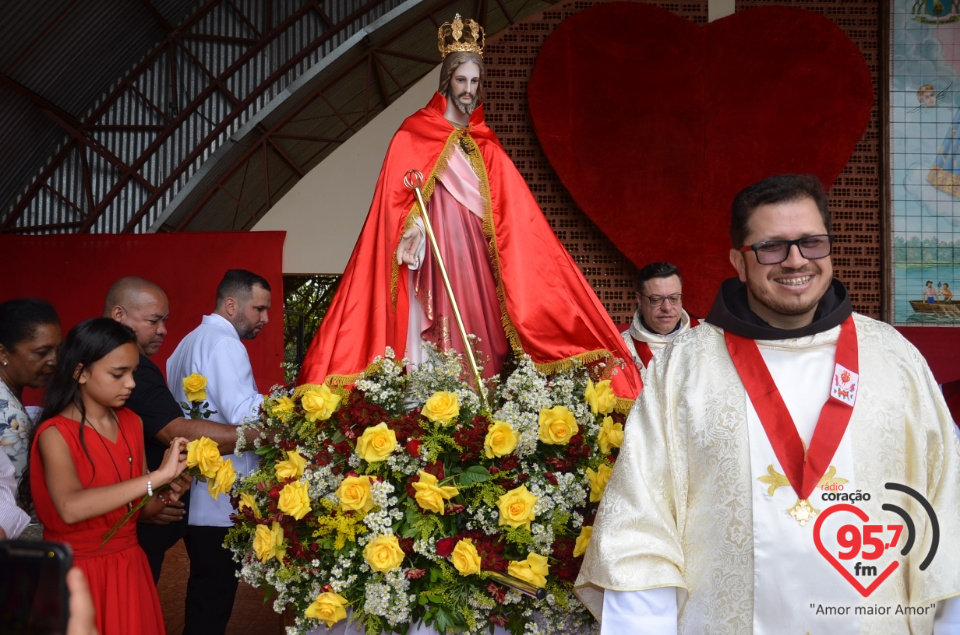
[(654, 123), (862, 515)]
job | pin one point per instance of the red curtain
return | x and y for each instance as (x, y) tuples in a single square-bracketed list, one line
[(74, 272)]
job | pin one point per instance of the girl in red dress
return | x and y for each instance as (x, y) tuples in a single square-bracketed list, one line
[(87, 470)]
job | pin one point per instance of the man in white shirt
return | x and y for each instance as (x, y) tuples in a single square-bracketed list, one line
[(214, 350), (660, 316), (747, 429)]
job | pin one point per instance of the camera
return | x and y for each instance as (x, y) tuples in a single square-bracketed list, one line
[(33, 589)]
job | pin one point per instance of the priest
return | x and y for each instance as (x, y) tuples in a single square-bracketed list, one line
[(720, 514)]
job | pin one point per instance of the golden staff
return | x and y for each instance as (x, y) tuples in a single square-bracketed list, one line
[(517, 585), (413, 180)]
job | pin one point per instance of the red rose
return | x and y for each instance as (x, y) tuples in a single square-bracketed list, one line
[(445, 547), (413, 447)]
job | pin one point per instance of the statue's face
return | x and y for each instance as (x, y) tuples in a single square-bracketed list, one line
[(465, 87)]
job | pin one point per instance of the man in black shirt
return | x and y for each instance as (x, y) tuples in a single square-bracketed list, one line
[(142, 305)]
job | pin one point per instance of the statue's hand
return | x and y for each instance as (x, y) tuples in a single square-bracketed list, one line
[(409, 246)]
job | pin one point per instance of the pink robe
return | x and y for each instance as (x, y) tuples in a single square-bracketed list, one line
[(456, 214)]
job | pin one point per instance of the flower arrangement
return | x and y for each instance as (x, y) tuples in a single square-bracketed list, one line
[(406, 500)]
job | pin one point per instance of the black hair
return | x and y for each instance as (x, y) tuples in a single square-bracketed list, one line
[(239, 282), (775, 189), (657, 270), (20, 317), (86, 343)]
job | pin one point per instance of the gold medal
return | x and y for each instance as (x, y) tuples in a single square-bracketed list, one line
[(803, 512)]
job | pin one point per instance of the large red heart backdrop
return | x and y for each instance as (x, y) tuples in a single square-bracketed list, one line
[(654, 123)]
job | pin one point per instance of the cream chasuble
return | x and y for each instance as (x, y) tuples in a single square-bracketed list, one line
[(655, 341), (685, 506)]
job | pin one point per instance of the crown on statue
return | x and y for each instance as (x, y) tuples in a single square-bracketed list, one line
[(460, 35)]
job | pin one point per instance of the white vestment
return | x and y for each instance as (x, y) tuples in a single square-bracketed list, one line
[(685, 507), (655, 341), (214, 350)]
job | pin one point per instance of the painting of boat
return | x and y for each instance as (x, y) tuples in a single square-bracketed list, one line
[(947, 308)]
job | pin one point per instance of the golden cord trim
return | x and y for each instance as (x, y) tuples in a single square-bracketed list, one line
[(338, 381), (489, 230)]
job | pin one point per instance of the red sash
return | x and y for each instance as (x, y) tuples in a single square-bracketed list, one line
[(643, 351), (803, 470)]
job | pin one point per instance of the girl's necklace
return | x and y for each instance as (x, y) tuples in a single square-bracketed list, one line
[(110, 454)]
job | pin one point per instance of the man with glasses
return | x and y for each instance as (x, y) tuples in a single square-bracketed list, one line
[(747, 430), (660, 316)]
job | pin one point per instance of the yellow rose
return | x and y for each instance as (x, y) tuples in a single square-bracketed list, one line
[(223, 481), (268, 542), (516, 507), (292, 467), (611, 435), (319, 403), (354, 494), (294, 500), (248, 501), (580, 547), (196, 387), (383, 554), (598, 481), (501, 440), (465, 558), (533, 570), (328, 607), (600, 397), (442, 407), (282, 407), (430, 496), (205, 454), (557, 425), (376, 443)]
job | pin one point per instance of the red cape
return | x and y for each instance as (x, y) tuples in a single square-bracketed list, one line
[(549, 310)]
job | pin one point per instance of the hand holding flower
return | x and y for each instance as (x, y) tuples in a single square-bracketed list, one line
[(188, 459), (174, 462)]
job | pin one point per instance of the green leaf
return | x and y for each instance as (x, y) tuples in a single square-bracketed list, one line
[(445, 621), (474, 474)]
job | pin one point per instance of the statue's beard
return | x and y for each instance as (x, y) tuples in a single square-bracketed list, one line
[(466, 108)]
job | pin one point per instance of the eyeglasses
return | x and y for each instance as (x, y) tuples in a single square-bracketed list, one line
[(657, 300), (773, 252)]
